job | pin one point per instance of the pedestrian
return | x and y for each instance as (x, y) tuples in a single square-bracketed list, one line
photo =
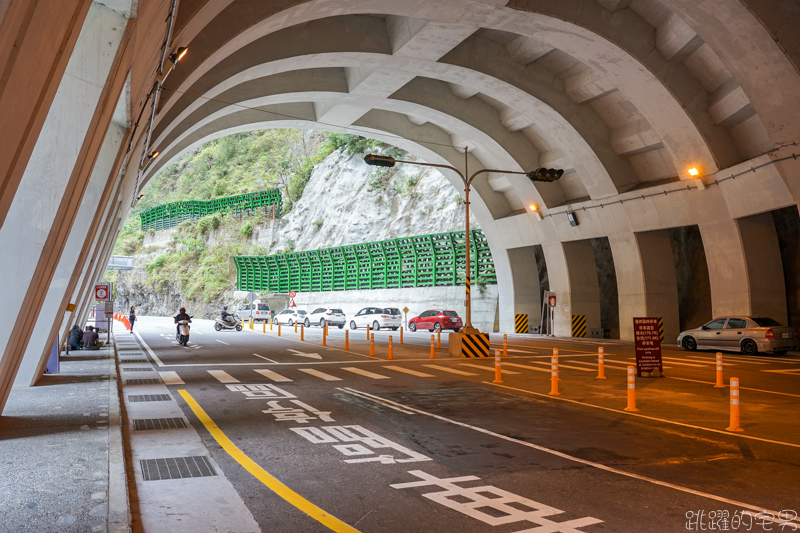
[(91, 339), (132, 317)]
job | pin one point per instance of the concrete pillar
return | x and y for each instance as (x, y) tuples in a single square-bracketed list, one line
[(573, 277), (764, 267), (39, 218), (660, 281), (525, 277), (727, 268), (52, 311)]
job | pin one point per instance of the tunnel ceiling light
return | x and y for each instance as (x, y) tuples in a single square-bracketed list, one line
[(154, 155), (546, 174), (178, 54), (379, 160), (693, 172), (535, 209), (573, 218)]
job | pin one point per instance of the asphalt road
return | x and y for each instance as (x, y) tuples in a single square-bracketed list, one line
[(418, 444)]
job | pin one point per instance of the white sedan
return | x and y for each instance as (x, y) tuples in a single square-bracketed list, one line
[(290, 317), (377, 318)]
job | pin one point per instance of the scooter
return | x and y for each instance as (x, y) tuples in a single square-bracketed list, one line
[(182, 335), (232, 322)]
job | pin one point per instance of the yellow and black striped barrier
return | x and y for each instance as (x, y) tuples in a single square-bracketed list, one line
[(468, 285), (661, 329), (578, 325), (521, 323), (475, 345)]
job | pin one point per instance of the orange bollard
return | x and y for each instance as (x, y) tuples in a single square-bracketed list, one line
[(265, 327), (505, 345), (295, 327), (324, 336), (401, 334), (601, 363), (279, 329), (439, 339), (367, 331), (270, 325), (720, 384), (303, 332), (391, 350), (734, 406), (243, 323), (347, 340), (631, 389), (498, 372), (433, 348), (372, 345), (554, 374)]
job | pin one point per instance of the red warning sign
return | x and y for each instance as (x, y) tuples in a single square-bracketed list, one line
[(291, 303)]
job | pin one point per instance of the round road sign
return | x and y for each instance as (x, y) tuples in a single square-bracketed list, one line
[(292, 294)]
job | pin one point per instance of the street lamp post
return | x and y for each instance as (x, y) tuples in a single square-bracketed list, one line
[(536, 175)]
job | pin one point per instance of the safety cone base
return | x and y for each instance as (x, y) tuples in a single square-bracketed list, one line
[(737, 429), (630, 409)]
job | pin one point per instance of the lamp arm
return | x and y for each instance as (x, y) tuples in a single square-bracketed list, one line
[(494, 170), (454, 169)]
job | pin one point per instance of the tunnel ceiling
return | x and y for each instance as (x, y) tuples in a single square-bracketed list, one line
[(622, 94)]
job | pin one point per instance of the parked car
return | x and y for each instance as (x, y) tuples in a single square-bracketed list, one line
[(258, 312), (377, 318), (326, 315), (436, 320), (748, 335), (290, 317)]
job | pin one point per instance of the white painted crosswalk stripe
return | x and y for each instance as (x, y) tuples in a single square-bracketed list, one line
[(171, 378), (548, 366), (274, 376), (451, 370), (490, 369), (365, 373), (321, 375), (409, 371), (222, 376)]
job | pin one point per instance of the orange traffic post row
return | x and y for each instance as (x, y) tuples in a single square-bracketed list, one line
[(372, 344), (720, 383), (433, 348), (498, 371), (601, 363), (391, 350), (631, 389), (735, 422), (554, 374), (505, 345), (347, 340)]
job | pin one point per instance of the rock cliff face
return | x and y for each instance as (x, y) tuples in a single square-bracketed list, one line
[(344, 202)]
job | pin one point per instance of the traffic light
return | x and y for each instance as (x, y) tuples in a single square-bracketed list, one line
[(379, 160), (546, 174)]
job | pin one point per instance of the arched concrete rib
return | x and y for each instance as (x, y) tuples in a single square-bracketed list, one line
[(667, 115)]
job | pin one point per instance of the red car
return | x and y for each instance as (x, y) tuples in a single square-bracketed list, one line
[(436, 320)]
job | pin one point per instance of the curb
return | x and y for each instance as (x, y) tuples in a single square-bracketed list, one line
[(119, 509)]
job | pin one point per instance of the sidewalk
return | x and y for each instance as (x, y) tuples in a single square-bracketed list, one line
[(61, 462)]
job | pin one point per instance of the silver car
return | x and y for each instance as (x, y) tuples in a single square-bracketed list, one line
[(748, 335), (326, 315)]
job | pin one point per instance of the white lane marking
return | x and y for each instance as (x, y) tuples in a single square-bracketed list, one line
[(171, 378), (266, 358), (547, 370), (222, 376), (741, 388), (675, 361), (305, 354), (199, 332), (146, 347), (784, 371), (221, 342), (274, 376), (548, 366), (321, 375), (366, 373), (598, 466), (606, 365), (726, 357), (375, 399), (489, 368), (519, 351), (409, 371), (711, 362), (451, 370)]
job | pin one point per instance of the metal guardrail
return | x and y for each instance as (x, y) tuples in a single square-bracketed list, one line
[(424, 261), (121, 262)]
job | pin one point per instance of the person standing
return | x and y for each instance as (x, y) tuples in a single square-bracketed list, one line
[(132, 317)]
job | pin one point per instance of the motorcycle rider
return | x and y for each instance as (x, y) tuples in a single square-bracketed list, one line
[(179, 317), (226, 315)]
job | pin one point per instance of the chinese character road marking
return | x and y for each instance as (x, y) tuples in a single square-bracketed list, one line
[(260, 391), (282, 414), (274, 376), (504, 503), (367, 440)]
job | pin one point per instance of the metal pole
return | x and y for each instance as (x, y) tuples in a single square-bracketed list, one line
[(468, 302)]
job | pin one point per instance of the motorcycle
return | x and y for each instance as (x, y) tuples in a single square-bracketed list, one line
[(182, 335), (231, 322)]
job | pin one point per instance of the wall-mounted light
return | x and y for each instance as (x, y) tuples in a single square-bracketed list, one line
[(537, 213), (153, 155), (573, 219), (140, 197), (693, 172), (178, 54)]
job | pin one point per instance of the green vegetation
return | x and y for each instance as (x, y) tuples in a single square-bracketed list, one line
[(318, 223)]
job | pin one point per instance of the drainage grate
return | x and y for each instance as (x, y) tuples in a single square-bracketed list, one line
[(123, 361), (176, 468), (144, 424), (147, 381), (138, 369), (149, 398)]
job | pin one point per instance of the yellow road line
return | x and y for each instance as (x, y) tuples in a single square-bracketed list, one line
[(331, 522)]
